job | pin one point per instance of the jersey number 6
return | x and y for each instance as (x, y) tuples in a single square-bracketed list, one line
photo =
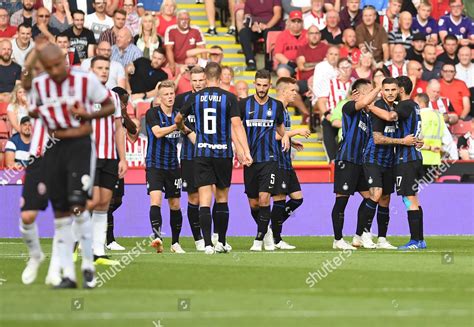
[(210, 121)]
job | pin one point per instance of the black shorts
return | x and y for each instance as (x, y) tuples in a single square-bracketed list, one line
[(349, 178), (119, 188), (106, 173), (408, 176), (213, 171), (34, 195), (287, 181), (167, 181), (70, 172), (261, 177), (378, 176), (187, 174)]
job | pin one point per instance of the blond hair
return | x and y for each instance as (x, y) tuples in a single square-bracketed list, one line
[(154, 36)]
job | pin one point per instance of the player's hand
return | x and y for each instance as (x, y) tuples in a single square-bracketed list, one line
[(436, 149), (419, 144), (409, 140), (248, 160), (285, 143), (80, 112), (304, 132), (122, 168), (393, 116), (297, 145)]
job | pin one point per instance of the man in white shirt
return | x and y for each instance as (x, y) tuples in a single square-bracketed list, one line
[(465, 68), (22, 44), (98, 21), (324, 72)]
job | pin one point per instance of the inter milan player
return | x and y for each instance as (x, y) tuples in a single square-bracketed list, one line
[(162, 166), (198, 82), (218, 123), (408, 167), (63, 100), (378, 161), (287, 179), (262, 118)]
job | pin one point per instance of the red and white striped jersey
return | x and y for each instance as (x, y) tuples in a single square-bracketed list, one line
[(337, 91), (135, 152), (39, 139), (52, 101), (387, 24), (396, 71), (442, 105), (104, 130)]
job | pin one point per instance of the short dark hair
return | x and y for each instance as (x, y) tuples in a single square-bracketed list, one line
[(450, 37), (213, 71), (423, 97), (215, 46), (78, 11), (360, 82), (405, 83), (99, 58), (120, 91), (24, 25), (120, 11), (389, 80), (447, 64), (341, 60), (285, 80), (160, 50), (263, 74), (197, 70), (62, 35)]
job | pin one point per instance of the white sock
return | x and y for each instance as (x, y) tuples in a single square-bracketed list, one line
[(31, 239), (75, 230), (54, 265), (84, 232), (99, 222), (65, 246)]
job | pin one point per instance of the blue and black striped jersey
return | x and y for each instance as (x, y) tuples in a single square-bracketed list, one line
[(409, 122), (284, 157), (187, 147)]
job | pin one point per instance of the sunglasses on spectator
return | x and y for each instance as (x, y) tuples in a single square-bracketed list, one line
[(314, 33), (449, 71), (44, 16)]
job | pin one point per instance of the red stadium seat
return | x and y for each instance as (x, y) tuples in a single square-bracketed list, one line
[(3, 142), (4, 130), (131, 110), (449, 179), (3, 110), (461, 127), (142, 108), (271, 40)]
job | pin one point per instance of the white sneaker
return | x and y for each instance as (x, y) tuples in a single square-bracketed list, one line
[(367, 242), (176, 248), (52, 280), (220, 248), (209, 250), (282, 245), (342, 245), (268, 242), (228, 247), (31, 270), (257, 246), (200, 245), (214, 238), (114, 246), (382, 243)]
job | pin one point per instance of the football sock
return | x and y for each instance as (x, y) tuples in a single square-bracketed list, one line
[(365, 213), (338, 216), (414, 217), (54, 268), (422, 236), (222, 219), (84, 228), (205, 221), (99, 225), (114, 205), (155, 220), (254, 213), (65, 246), (31, 239), (176, 222), (263, 221), (278, 212), (383, 217), (291, 206), (193, 217), (214, 223)]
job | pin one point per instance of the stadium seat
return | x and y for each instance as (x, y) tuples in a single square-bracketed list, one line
[(142, 108), (3, 110), (461, 127), (271, 40), (131, 110), (3, 142), (4, 130), (449, 179)]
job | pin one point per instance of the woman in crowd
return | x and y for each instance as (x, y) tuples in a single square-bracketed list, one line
[(167, 16), (61, 19), (227, 78), (18, 107), (147, 40), (365, 67)]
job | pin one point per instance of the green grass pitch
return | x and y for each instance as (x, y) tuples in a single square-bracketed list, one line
[(370, 288)]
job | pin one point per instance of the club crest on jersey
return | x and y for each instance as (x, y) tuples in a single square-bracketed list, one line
[(283, 185), (345, 187), (269, 112), (97, 106), (462, 30), (428, 30), (185, 184), (371, 180)]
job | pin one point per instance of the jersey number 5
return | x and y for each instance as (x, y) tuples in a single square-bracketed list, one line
[(210, 121)]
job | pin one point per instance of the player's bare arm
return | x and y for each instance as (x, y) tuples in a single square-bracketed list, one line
[(408, 140), (365, 100), (383, 114), (120, 143)]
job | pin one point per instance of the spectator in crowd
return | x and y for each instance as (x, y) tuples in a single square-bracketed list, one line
[(379, 75), (325, 71), (398, 65), (414, 72), (332, 34), (215, 54), (140, 9), (10, 71), (466, 145), (70, 53), (425, 24), (242, 89), (261, 17), (309, 55), (227, 79), (144, 74), (82, 39), (98, 21), (22, 44), (42, 26), (442, 104), (287, 45), (403, 34), (180, 38), (465, 67), (117, 75), (439, 8), (167, 17), (349, 47), (25, 15), (182, 80), (61, 19), (133, 21), (365, 67), (17, 149), (431, 67), (457, 24), (110, 35), (315, 16), (450, 47), (389, 20), (147, 40), (379, 5), (455, 90), (17, 108), (351, 15), (86, 6), (124, 51), (415, 52), (6, 30), (210, 6), (371, 37)]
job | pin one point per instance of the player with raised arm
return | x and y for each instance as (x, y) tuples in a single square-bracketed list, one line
[(218, 123)]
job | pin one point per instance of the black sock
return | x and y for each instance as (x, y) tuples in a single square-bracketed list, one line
[(365, 213), (155, 220), (176, 222), (422, 236), (383, 217), (254, 213), (338, 216), (290, 207), (278, 212), (114, 205), (414, 223), (222, 218), (205, 221), (264, 215), (193, 217), (214, 222)]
